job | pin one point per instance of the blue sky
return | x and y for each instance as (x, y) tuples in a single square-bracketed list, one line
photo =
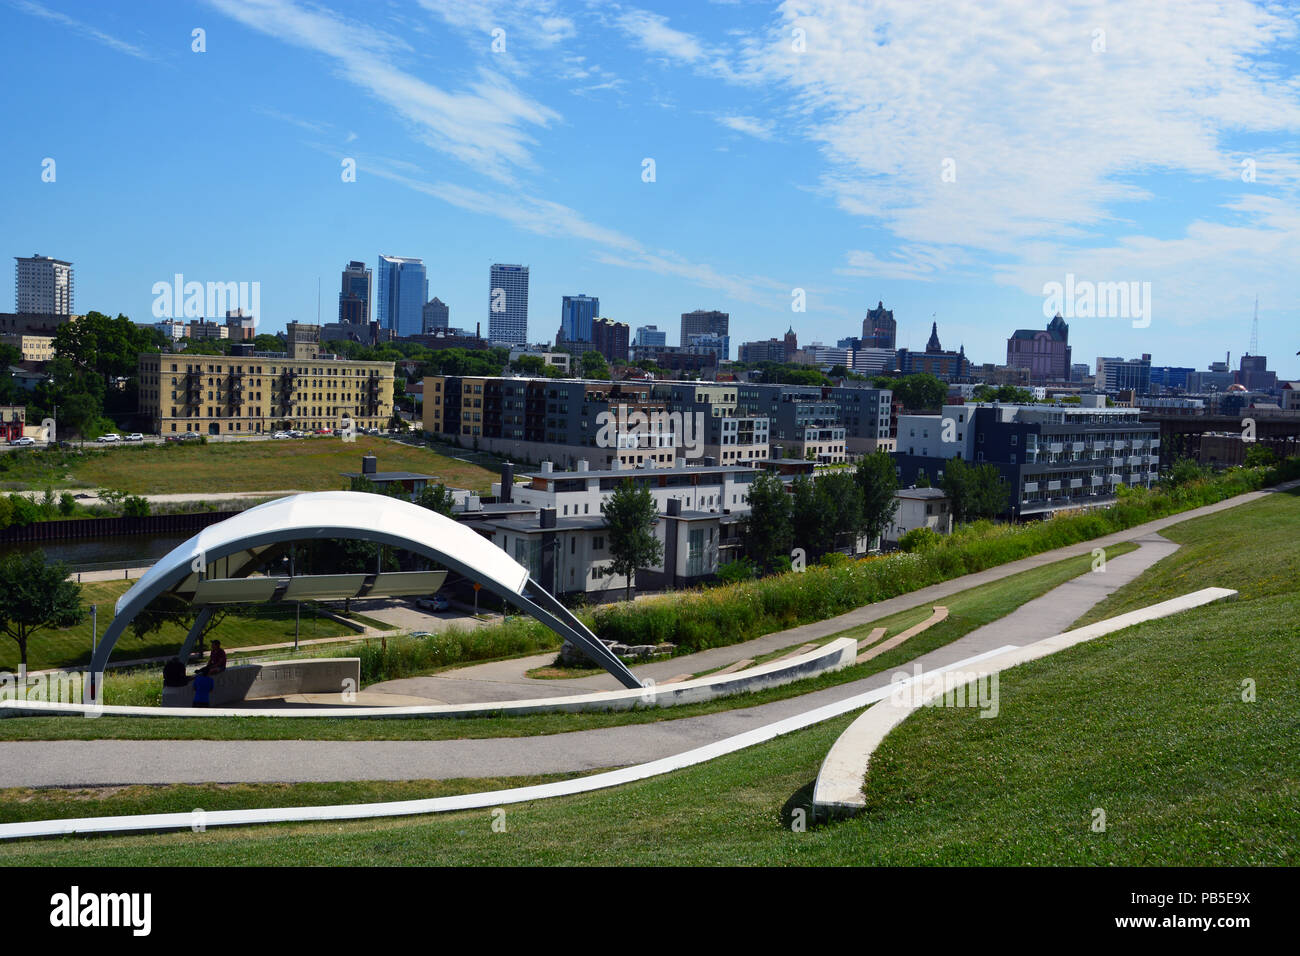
[(1103, 140)]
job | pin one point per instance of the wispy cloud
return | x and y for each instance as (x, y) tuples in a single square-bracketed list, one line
[(483, 125), (544, 217), (79, 26), (749, 125)]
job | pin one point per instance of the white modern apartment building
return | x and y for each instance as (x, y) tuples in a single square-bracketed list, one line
[(43, 285)]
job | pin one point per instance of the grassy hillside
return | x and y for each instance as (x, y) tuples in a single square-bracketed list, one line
[(305, 464)]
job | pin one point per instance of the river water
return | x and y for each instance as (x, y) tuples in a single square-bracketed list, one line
[(135, 550)]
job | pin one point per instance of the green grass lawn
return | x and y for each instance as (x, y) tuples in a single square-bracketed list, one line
[(1251, 548), (1147, 724), (246, 627), (305, 464), (968, 610)]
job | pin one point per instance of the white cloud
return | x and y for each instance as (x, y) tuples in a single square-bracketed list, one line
[(554, 220), (652, 32), (749, 125), (483, 125), (121, 46)]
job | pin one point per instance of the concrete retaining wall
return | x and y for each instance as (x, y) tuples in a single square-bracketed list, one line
[(321, 675)]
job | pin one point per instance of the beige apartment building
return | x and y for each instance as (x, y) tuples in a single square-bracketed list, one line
[(259, 392), (34, 348)]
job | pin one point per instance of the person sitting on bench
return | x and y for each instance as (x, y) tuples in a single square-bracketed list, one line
[(216, 660)]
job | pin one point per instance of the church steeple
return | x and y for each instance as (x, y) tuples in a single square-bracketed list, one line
[(933, 345)]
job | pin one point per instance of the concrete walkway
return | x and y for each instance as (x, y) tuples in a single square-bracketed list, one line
[(110, 762), (509, 679)]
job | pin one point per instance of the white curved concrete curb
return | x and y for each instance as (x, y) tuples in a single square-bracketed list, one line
[(839, 788), (469, 801), (833, 656)]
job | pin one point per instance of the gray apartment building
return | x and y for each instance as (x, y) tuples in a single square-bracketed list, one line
[(1051, 457)]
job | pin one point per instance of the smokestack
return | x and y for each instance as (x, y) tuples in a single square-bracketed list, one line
[(507, 481)]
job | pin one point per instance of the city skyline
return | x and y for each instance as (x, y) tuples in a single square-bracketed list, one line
[(1079, 179)]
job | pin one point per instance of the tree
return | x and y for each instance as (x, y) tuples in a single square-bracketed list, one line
[(593, 365), (1009, 394), (920, 392), (35, 595), (436, 498), (766, 530), (839, 507), (976, 491), (1260, 456), (877, 481), (630, 516), (171, 609)]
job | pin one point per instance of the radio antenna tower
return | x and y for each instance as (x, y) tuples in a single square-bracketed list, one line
[(1254, 329)]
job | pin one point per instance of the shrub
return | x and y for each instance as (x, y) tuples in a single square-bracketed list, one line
[(918, 539), (739, 570), (67, 504), (135, 507)]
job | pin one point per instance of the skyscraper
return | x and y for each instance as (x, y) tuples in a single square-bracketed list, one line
[(402, 292), (650, 335), (42, 286), (702, 322), (576, 314), (508, 304), (354, 296), (879, 329), (436, 315)]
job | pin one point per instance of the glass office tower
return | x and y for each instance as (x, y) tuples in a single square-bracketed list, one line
[(401, 291)]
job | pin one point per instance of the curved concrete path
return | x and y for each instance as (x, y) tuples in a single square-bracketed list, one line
[(507, 680), (110, 762)]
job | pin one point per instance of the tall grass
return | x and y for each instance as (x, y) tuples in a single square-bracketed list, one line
[(730, 614)]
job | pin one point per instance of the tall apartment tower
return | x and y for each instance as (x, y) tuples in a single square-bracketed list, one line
[(42, 286), (508, 304), (702, 322), (576, 315), (879, 330), (354, 296), (403, 288), (436, 315)]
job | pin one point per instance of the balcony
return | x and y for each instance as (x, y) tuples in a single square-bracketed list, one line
[(1134, 460), (1056, 448), (1096, 480), (1114, 478), (1031, 486), (1078, 446), (1053, 486), (1076, 482), (1116, 462)]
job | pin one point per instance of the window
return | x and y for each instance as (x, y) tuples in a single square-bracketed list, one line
[(598, 543)]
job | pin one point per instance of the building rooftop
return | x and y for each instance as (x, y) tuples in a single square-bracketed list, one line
[(920, 493)]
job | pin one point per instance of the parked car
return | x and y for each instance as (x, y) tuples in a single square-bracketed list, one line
[(294, 433), (323, 431), (23, 441), (421, 634), (279, 434), (190, 436), (134, 436), (435, 603), (109, 438)]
